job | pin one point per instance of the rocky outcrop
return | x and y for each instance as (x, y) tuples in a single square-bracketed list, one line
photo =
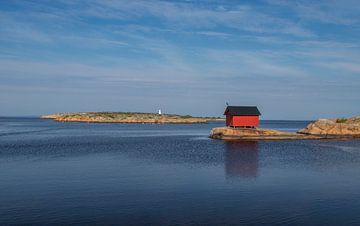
[(228, 133), (320, 129), (333, 127)]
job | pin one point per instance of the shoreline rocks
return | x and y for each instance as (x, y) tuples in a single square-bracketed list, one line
[(320, 129), (334, 127), (228, 133)]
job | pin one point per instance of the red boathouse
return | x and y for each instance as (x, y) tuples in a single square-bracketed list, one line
[(242, 116)]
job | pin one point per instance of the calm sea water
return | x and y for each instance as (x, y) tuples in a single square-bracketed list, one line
[(79, 173)]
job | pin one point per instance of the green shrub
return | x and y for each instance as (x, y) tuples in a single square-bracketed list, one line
[(341, 120), (186, 116)]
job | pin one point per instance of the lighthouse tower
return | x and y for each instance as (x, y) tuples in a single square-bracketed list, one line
[(159, 111)]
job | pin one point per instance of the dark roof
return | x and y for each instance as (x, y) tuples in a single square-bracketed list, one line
[(242, 110)]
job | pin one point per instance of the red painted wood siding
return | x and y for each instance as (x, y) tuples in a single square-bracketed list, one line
[(242, 120)]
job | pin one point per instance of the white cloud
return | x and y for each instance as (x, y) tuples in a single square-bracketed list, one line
[(344, 12)]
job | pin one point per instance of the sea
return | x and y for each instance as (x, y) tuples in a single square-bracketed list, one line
[(54, 173)]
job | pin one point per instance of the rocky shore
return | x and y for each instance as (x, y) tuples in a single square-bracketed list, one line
[(227, 133), (320, 129), (129, 117), (333, 127)]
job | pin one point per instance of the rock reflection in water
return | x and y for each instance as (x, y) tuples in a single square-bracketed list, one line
[(241, 159)]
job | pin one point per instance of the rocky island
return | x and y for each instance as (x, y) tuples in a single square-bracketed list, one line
[(129, 117), (333, 127), (320, 129)]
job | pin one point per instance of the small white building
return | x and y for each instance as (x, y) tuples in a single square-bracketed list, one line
[(159, 111)]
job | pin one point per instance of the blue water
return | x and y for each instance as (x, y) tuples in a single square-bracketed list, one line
[(80, 173)]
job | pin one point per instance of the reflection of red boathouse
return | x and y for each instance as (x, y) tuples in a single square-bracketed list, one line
[(242, 116), (241, 159)]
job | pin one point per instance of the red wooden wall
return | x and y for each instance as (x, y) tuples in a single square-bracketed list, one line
[(242, 120)]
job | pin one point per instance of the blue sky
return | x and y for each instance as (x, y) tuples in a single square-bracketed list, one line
[(293, 59)]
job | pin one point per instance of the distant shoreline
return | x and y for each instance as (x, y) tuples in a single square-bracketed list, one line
[(129, 117)]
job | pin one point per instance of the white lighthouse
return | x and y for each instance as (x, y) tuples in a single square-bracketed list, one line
[(159, 111)]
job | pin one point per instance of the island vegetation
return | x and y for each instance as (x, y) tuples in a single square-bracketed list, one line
[(129, 117)]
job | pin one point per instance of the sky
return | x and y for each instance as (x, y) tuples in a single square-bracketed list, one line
[(292, 59)]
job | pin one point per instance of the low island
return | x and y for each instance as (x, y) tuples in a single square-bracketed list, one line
[(320, 129), (129, 117)]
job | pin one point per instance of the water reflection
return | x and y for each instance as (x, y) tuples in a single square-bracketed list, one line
[(241, 159)]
